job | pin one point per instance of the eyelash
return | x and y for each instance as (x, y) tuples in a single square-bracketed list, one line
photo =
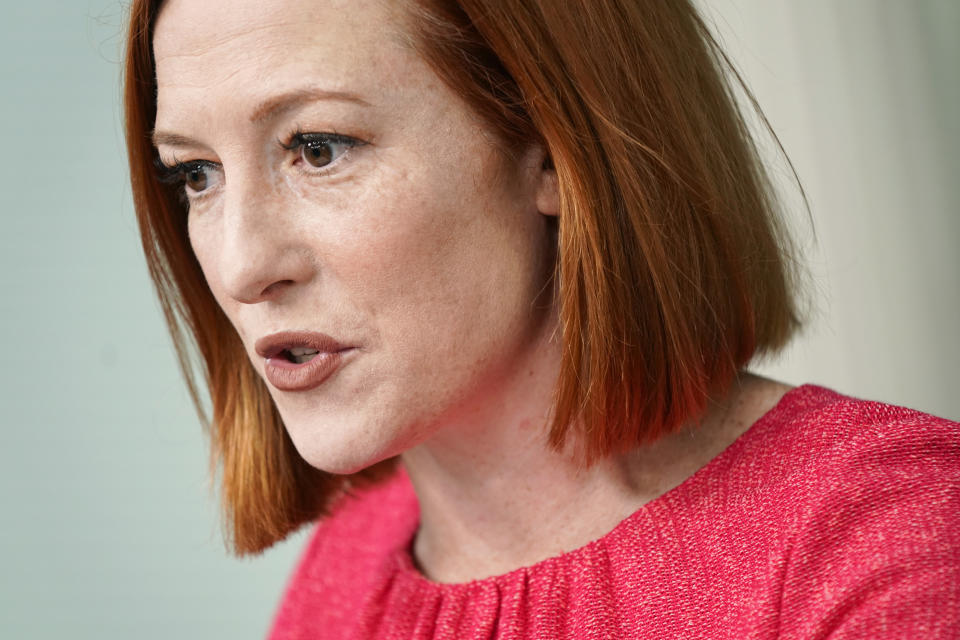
[(300, 140), (176, 173)]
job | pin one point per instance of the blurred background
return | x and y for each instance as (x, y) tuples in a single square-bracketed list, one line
[(110, 528)]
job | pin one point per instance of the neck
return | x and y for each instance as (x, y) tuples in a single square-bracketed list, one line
[(493, 497)]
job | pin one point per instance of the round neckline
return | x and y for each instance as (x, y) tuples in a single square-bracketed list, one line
[(407, 569)]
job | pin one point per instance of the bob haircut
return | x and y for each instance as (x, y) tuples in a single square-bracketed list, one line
[(673, 269)]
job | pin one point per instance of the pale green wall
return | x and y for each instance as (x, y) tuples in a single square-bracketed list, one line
[(109, 530), (865, 96)]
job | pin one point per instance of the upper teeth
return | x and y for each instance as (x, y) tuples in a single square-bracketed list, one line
[(300, 355)]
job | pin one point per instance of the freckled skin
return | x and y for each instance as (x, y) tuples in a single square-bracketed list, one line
[(424, 248)]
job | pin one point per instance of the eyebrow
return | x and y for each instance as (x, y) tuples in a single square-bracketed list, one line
[(269, 108), (173, 139)]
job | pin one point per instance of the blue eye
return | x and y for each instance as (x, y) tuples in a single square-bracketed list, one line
[(320, 149)]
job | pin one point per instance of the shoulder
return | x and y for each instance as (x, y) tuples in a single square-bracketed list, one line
[(818, 437), (346, 552), (841, 457), (865, 457), (875, 543)]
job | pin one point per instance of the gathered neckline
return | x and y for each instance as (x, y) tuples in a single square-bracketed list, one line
[(408, 572)]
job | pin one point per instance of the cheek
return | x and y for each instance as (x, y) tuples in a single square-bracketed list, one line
[(445, 268), (204, 242), (205, 252)]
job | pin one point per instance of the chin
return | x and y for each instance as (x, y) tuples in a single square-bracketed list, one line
[(338, 451), (339, 462)]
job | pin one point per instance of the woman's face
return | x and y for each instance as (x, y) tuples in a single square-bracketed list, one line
[(343, 201)]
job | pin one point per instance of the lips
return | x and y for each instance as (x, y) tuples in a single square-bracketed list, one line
[(300, 360)]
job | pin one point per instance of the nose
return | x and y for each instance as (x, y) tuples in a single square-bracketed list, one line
[(262, 256)]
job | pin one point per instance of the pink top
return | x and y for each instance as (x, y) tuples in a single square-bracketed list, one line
[(829, 518)]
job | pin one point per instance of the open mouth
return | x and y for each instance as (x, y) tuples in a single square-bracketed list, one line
[(299, 355), (301, 360)]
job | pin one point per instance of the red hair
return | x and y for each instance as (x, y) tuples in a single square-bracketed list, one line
[(673, 268)]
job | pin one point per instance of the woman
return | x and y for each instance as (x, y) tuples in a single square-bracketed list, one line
[(474, 284)]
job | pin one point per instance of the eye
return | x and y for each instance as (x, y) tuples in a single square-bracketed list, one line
[(320, 150), (196, 176)]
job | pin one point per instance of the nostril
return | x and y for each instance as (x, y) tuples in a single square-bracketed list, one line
[(275, 288)]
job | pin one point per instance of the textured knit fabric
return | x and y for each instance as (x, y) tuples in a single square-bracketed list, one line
[(829, 518)]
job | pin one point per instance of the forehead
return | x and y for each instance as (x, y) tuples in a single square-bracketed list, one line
[(253, 48)]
